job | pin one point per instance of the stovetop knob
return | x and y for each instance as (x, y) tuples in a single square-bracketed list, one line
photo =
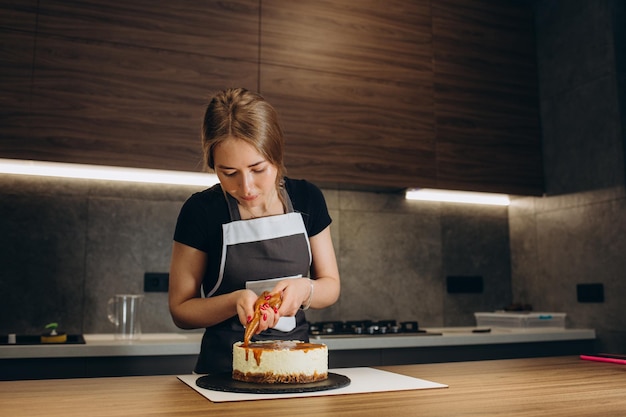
[(372, 329)]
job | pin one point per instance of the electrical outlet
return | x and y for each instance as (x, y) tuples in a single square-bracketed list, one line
[(156, 281), (464, 284), (590, 293)]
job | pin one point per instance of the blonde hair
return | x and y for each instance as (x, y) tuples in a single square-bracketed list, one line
[(242, 114)]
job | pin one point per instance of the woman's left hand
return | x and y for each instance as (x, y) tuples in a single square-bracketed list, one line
[(295, 292)]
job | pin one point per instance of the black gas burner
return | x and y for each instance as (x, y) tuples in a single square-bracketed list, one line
[(363, 327)]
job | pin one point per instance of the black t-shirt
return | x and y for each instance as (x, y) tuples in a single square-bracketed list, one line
[(201, 218)]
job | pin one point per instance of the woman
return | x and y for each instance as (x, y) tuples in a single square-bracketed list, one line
[(256, 230)]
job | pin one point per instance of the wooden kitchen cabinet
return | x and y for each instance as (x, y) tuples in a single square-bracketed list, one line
[(124, 83), (18, 20), (337, 131), (486, 97), (389, 94), (406, 94), (353, 82)]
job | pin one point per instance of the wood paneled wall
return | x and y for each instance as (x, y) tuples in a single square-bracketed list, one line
[(385, 93)]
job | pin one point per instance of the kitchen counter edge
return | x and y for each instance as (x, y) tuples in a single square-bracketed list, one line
[(173, 344)]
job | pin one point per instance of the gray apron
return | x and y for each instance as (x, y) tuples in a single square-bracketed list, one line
[(261, 249)]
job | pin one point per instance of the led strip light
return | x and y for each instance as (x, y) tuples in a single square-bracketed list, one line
[(450, 196), (98, 172), (157, 176)]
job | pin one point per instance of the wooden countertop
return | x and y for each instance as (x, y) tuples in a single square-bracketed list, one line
[(555, 386)]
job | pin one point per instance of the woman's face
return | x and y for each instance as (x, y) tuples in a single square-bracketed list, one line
[(244, 173)]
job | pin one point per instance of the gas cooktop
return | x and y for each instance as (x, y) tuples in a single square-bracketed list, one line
[(367, 328)]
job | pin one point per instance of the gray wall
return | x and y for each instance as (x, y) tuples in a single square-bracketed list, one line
[(66, 246), (577, 233)]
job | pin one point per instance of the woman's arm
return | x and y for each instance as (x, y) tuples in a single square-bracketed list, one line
[(324, 270), (324, 274), (187, 307)]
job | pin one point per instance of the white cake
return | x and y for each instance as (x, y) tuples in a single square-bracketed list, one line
[(280, 361)]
